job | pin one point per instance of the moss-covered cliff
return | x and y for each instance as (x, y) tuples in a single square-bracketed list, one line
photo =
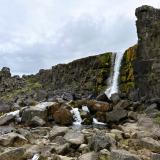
[(127, 75), (86, 76)]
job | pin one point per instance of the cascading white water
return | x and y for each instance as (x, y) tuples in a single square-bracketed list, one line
[(36, 157), (85, 109), (113, 85), (76, 116), (95, 121)]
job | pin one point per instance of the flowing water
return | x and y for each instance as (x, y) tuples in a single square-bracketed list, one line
[(36, 157), (76, 116), (113, 82), (95, 121)]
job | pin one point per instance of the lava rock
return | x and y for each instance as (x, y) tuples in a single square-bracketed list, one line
[(89, 156), (63, 116), (5, 119), (115, 98), (74, 137), (123, 155), (57, 131), (12, 139), (13, 154), (116, 116), (102, 97), (100, 141)]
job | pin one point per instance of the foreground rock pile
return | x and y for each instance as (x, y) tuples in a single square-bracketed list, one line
[(45, 131)]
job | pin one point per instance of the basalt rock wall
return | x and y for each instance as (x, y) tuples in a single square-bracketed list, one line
[(141, 64), (86, 76), (147, 66)]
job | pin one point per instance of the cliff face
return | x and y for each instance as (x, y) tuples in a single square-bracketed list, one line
[(127, 75), (87, 76), (147, 66), (142, 70)]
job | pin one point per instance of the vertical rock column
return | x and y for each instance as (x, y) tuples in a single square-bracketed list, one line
[(147, 64)]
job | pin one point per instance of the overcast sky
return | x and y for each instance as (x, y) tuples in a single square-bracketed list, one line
[(37, 34)]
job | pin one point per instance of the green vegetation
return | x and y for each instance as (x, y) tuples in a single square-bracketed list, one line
[(157, 119), (105, 59), (31, 84), (127, 77)]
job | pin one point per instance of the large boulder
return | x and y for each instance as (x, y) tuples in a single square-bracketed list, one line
[(40, 110), (116, 116), (95, 106), (63, 116), (102, 97)]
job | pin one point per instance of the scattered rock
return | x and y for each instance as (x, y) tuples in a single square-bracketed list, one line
[(13, 154), (37, 121), (4, 108), (5, 119), (104, 155), (57, 131), (155, 156), (74, 137), (100, 141), (89, 156), (6, 129), (150, 143), (116, 116), (83, 148), (123, 155), (60, 148), (115, 98), (132, 115), (12, 139)]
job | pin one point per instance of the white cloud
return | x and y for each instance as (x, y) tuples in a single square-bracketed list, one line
[(37, 34)]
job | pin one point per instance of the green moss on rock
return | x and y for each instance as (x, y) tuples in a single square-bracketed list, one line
[(103, 74), (127, 77), (31, 84)]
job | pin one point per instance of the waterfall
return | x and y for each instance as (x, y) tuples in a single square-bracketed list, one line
[(113, 82), (36, 157), (76, 116)]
